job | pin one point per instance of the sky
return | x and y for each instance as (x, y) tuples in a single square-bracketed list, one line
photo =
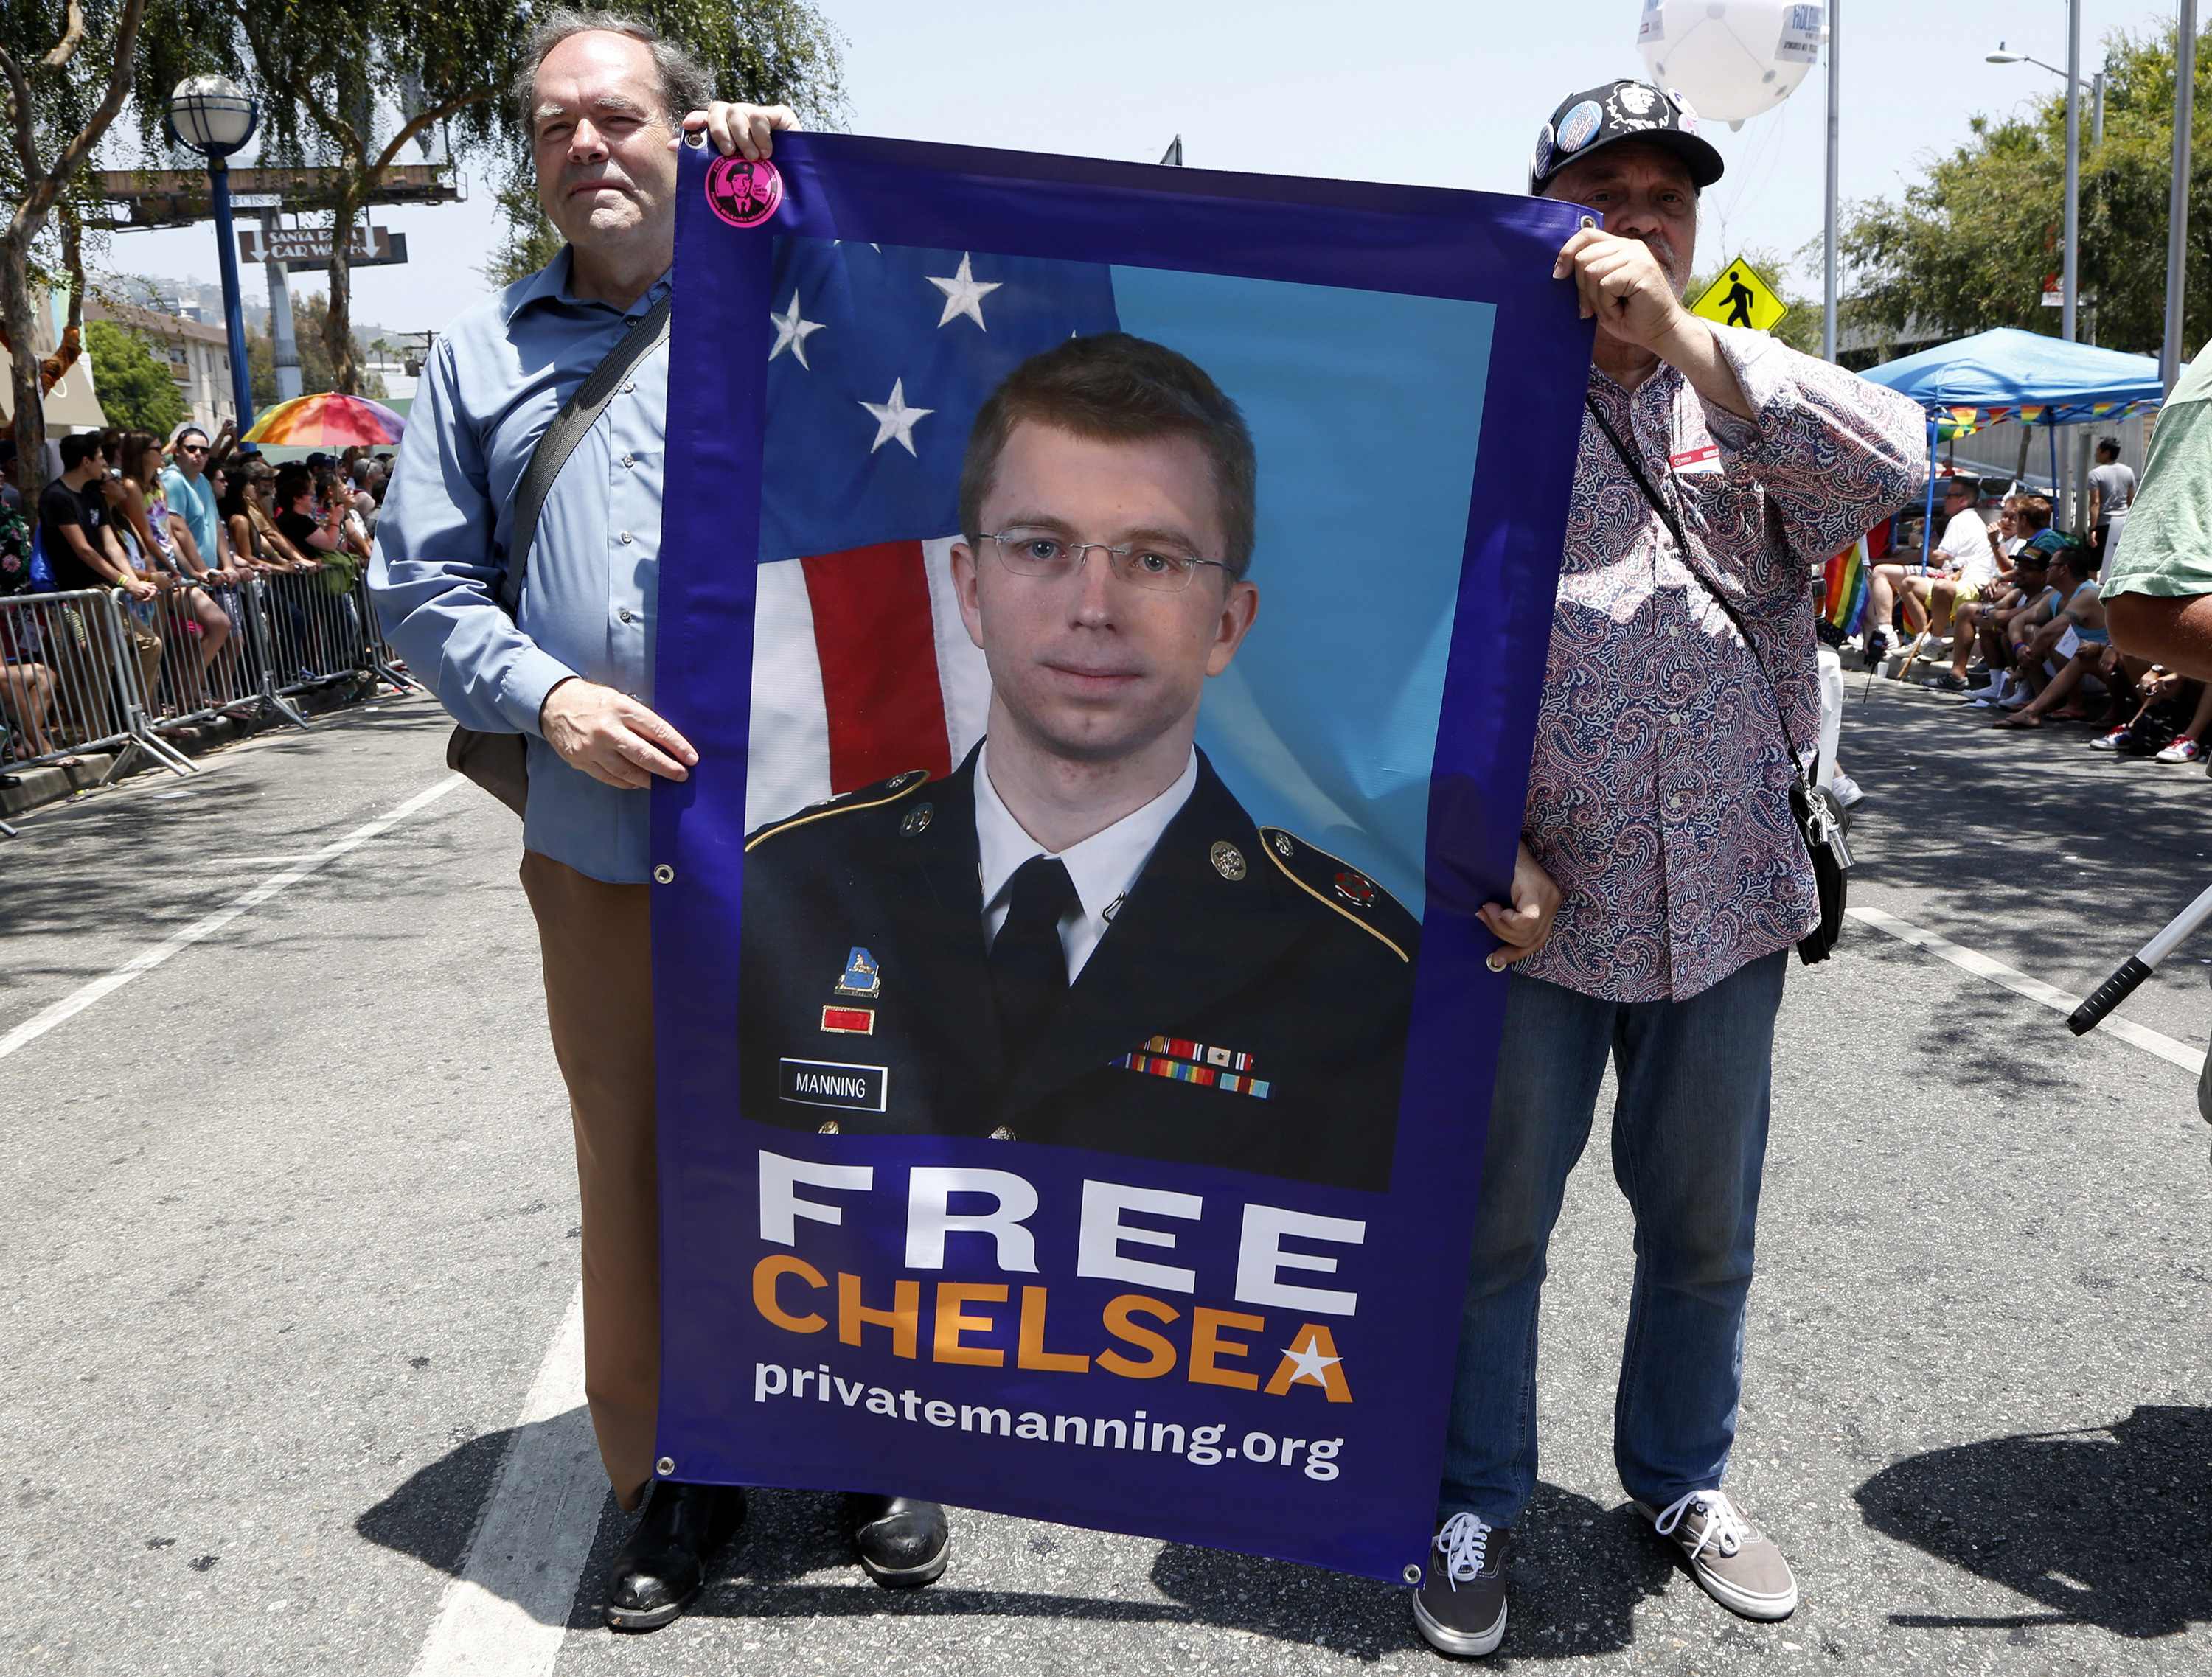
[(1438, 92)]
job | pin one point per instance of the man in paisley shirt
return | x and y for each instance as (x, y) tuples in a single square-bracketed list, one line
[(1660, 881)]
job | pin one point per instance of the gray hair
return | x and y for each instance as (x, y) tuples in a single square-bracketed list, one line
[(685, 85)]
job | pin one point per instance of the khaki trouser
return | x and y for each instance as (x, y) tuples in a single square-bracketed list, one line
[(596, 942)]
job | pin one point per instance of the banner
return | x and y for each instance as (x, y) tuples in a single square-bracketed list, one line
[(1074, 1033)]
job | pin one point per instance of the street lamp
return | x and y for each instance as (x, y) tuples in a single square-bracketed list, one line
[(2070, 284), (2177, 208), (216, 117), (2070, 266)]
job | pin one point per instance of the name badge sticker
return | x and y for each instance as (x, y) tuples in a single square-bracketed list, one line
[(1707, 458), (832, 1084)]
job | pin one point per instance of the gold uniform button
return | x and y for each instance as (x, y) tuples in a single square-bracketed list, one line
[(1002, 1133), (1284, 848), (1228, 860), (917, 820), (828, 1128)]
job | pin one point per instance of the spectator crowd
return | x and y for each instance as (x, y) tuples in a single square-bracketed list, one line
[(176, 530), (2007, 613)]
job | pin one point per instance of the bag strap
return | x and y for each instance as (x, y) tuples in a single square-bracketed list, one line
[(578, 415), (1689, 563)]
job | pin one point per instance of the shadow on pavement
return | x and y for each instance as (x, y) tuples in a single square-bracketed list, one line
[(1579, 1574), (433, 1515), (2107, 1526), (1579, 1578)]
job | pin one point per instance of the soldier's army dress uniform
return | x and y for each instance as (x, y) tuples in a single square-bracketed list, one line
[(1248, 1006)]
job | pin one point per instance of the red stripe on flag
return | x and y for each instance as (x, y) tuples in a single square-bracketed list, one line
[(878, 645)]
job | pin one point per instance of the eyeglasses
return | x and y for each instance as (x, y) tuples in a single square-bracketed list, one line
[(1159, 567)]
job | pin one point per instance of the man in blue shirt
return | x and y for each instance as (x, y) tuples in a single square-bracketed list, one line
[(573, 674), (191, 497)]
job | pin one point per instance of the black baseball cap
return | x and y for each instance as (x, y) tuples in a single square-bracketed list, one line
[(1599, 117)]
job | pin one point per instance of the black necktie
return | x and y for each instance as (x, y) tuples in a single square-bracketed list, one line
[(1029, 968)]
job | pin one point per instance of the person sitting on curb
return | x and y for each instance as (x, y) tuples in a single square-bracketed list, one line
[(1959, 570), (2089, 654)]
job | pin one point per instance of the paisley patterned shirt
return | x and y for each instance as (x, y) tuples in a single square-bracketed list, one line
[(1658, 797)]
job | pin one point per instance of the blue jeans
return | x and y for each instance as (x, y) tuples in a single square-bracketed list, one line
[(1689, 1141)]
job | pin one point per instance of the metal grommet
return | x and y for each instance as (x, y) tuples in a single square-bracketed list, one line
[(1587, 221), (664, 875), (666, 1465), (695, 139), (1411, 1574)]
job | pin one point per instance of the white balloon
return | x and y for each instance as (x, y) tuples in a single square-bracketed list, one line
[(1730, 59)]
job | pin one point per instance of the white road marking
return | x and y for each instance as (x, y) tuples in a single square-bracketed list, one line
[(1973, 961), (505, 1614), (208, 925)]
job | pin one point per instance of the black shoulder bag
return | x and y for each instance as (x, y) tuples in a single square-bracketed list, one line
[(1820, 817), (499, 762)]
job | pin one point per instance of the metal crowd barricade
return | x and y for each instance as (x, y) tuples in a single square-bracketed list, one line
[(75, 670), (204, 655), (384, 657), (94, 670)]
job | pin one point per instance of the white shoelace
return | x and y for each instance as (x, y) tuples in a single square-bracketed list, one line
[(1725, 1528), (1461, 1540)]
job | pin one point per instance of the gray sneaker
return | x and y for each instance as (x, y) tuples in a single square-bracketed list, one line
[(1461, 1605), (1734, 1563)]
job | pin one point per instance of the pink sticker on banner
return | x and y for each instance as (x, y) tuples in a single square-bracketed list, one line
[(743, 192)]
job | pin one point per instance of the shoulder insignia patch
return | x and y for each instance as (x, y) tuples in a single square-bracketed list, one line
[(866, 798), (1343, 889)]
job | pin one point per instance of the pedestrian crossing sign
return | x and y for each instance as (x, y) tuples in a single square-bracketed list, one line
[(1741, 298)]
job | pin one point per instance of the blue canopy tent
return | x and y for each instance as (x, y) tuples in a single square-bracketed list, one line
[(2007, 373)]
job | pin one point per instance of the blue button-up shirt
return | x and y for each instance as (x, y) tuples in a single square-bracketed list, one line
[(489, 389)]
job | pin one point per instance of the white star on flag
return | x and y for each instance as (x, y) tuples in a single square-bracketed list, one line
[(963, 295), (895, 420), (792, 332), (1311, 1364)]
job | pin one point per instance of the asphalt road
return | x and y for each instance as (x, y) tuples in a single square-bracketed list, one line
[(292, 1215)]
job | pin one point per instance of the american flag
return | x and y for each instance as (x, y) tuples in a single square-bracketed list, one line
[(880, 357)]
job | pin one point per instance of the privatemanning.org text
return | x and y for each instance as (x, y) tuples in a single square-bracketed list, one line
[(1200, 1446)]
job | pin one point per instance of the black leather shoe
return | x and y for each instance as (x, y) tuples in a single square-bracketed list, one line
[(903, 1541), (664, 1564)]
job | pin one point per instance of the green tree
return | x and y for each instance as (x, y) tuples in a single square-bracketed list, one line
[(66, 70), (1968, 246), (311, 318), (136, 389)]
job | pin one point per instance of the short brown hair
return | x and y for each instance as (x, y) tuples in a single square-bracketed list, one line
[(2035, 509), (1116, 388), (685, 87)]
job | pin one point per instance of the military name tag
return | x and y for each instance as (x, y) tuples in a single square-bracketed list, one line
[(828, 1083)]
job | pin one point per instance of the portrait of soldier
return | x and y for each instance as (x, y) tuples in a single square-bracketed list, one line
[(1080, 936)]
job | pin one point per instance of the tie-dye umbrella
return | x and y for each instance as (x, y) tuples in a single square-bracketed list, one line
[(327, 421)]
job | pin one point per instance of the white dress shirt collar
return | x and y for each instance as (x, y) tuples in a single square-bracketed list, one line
[(1103, 867)]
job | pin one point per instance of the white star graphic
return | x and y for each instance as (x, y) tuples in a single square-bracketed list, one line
[(792, 332), (895, 420), (1311, 1364), (964, 295)]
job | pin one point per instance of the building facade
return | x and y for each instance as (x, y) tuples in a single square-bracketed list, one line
[(197, 355)]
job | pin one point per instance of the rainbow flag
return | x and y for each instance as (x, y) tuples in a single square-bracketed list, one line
[(1844, 585)]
